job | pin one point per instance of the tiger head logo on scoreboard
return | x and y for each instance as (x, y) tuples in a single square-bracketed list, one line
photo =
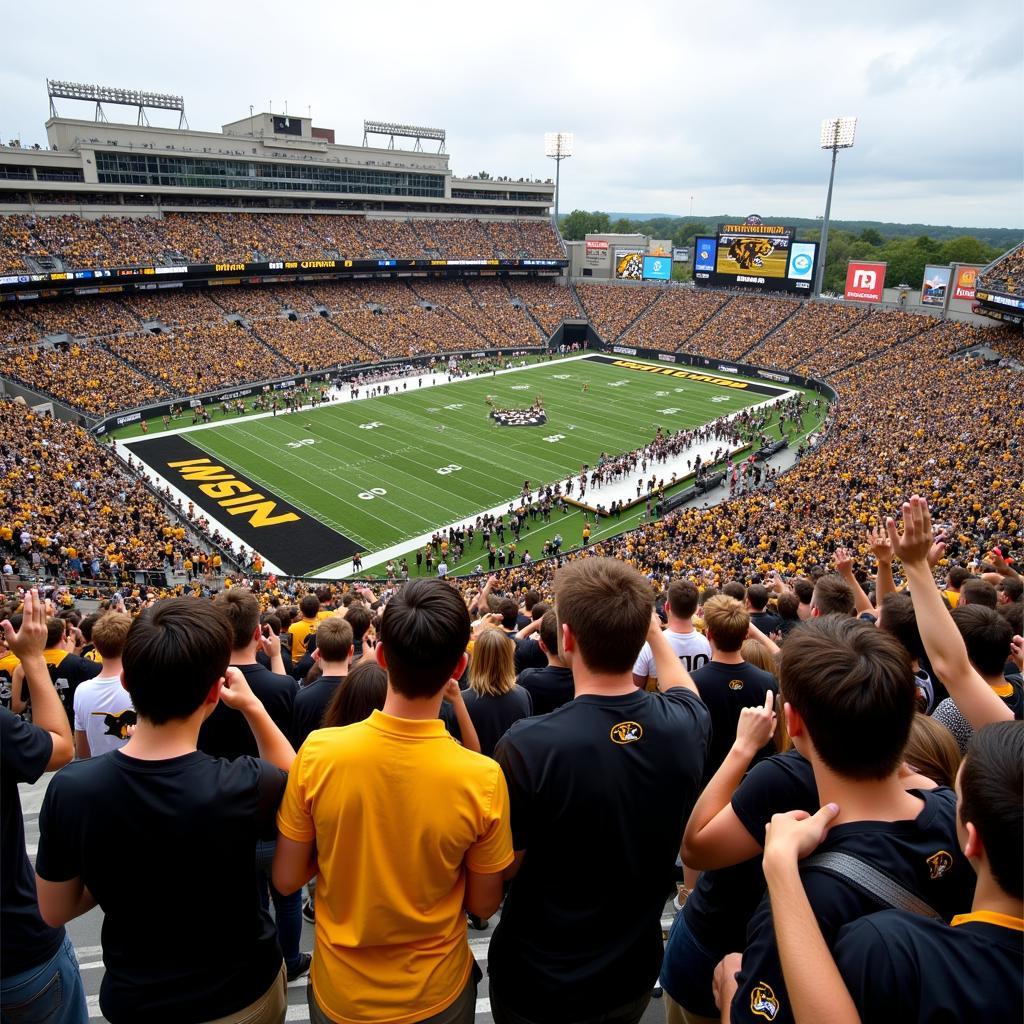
[(748, 253)]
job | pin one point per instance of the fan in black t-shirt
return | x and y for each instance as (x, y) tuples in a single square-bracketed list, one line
[(333, 654), (551, 686)]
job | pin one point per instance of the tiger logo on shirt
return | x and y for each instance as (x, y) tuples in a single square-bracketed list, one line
[(938, 864), (763, 1001), (626, 732)]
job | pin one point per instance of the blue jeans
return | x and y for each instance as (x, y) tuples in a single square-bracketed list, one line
[(51, 993), (287, 909), (687, 970)]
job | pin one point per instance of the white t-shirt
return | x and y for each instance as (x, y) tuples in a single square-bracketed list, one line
[(693, 649), (103, 711)]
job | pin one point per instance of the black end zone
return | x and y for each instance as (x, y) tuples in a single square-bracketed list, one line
[(281, 533)]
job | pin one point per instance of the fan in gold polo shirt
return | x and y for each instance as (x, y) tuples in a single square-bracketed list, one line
[(306, 626), (405, 831)]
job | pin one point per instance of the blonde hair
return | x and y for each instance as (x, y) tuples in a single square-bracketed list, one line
[(492, 670), (931, 750)]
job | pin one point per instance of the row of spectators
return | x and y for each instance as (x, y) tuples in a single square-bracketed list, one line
[(677, 314), (740, 325), (611, 309), (83, 242), (1006, 274), (68, 507)]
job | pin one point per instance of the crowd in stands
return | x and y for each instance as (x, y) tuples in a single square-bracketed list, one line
[(422, 758), (193, 360), (83, 242), (612, 309), (84, 376), (815, 326), (739, 326), (1006, 274), (69, 508), (548, 305), (677, 315), (312, 342)]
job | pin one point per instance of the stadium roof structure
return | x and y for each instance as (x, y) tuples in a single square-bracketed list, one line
[(404, 131), (100, 94)]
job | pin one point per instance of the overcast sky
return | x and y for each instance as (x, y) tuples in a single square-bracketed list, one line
[(720, 102)]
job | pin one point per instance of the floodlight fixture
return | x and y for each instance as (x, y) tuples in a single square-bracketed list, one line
[(404, 131), (100, 94), (836, 133), (558, 146)]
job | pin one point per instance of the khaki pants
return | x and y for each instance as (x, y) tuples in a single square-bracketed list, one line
[(270, 1008), (675, 1014)]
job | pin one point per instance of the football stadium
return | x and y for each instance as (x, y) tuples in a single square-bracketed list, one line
[(314, 451)]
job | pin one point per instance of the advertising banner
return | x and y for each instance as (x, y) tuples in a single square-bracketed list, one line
[(595, 253), (934, 285), (629, 264), (659, 247), (801, 261), (706, 251), (657, 268), (865, 281), (681, 255), (966, 281)]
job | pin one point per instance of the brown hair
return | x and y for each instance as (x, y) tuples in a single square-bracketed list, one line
[(243, 611), (833, 596), (759, 655), (492, 670), (607, 604), (682, 598), (853, 686), (364, 689), (727, 622), (110, 632), (334, 639), (931, 751)]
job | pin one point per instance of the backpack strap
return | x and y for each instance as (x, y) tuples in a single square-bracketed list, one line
[(870, 880)]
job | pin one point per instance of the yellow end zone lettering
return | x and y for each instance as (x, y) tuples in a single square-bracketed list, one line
[(668, 371)]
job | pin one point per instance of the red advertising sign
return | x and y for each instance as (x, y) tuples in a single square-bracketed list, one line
[(966, 279), (864, 281)]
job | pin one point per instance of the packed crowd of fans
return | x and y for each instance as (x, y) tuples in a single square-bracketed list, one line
[(677, 315), (815, 326), (548, 305), (1006, 274), (312, 342), (612, 309), (739, 326), (83, 242)]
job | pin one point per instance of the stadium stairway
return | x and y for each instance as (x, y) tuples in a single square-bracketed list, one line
[(881, 351), (746, 356), (454, 311), (133, 366), (250, 326), (700, 327)]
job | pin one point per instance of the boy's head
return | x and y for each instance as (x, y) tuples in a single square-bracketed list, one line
[(757, 597), (987, 636), (832, 595), (898, 619), (175, 653), (727, 623), (110, 632), (852, 690), (978, 592), (334, 639), (605, 605), (990, 811), (682, 599), (309, 606), (424, 633), (242, 610), (549, 632), (358, 617)]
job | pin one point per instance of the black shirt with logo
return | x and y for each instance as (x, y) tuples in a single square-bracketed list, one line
[(550, 687), (227, 734), (600, 792), (921, 854), (26, 940), (903, 967), (723, 901), (727, 690), (67, 671), (159, 844)]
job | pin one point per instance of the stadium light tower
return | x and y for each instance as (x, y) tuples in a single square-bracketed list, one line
[(558, 147), (836, 133)]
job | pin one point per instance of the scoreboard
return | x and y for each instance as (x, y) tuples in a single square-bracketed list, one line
[(755, 255)]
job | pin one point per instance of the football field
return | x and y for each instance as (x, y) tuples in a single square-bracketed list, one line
[(382, 471)]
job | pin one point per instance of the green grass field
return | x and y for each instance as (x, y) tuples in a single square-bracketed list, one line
[(385, 470)]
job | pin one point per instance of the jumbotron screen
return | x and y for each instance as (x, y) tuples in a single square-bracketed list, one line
[(755, 255)]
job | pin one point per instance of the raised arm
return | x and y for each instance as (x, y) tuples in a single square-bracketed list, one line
[(842, 560), (714, 836), (47, 711), (942, 641), (881, 548), (452, 694), (270, 741)]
